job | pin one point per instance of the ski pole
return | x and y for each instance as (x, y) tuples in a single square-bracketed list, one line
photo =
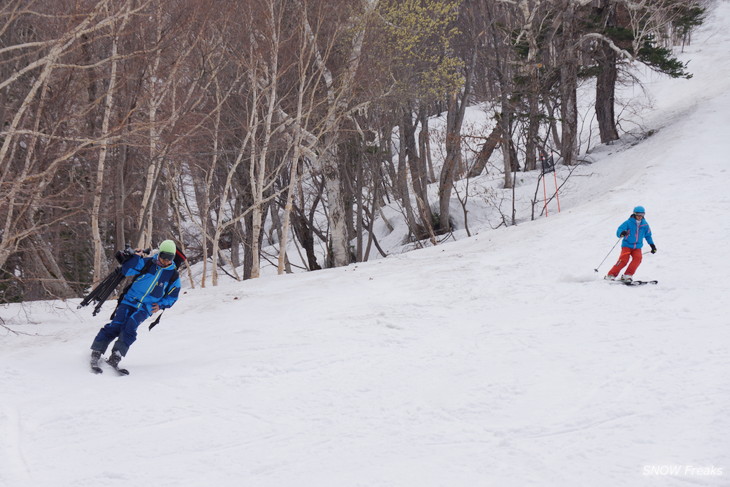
[(609, 253), (557, 191)]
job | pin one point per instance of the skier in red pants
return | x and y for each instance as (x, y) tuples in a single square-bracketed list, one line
[(634, 231)]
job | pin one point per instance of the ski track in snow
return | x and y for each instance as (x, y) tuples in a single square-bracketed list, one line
[(13, 461), (500, 360)]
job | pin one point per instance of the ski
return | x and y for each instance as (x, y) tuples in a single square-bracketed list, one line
[(119, 370), (96, 369), (633, 283)]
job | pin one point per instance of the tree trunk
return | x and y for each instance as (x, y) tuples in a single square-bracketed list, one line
[(486, 152), (247, 258), (218, 228), (336, 204), (119, 194), (305, 237), (56, 285), (338, 96), (425, 147), (144, 235), (236, 236), (505, 124), (99, 267), (454, 122), (606, 85), (258, 165), (605, 96), (454, 118), (283, 261), (402, 180), (358, 196), (568, 87), (418, 172), (533, 127)]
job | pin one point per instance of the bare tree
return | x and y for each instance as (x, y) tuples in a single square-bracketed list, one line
[(50, 144), (99, 267)]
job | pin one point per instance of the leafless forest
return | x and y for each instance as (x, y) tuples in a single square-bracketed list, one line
[(234, 125)]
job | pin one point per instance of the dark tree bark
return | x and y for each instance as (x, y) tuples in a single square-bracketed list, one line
[(485, 152), (606, 83), (605, 95), (533, 125), (569, 86), (454, 119), (305, 235)]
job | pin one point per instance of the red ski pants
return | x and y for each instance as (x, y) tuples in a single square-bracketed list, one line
[(626, 254)]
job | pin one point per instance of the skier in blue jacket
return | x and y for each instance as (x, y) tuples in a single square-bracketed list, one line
[(634, 231), (156, 287)]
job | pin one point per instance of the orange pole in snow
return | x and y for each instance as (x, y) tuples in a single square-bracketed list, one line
[(557, 193)]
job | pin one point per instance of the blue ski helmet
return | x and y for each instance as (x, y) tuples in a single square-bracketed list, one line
[(639, 209)]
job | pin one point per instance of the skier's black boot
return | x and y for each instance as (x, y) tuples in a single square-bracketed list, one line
[(95, 356), (114, 358)]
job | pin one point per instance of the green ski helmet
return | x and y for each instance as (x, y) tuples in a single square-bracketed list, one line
[(167, 250)]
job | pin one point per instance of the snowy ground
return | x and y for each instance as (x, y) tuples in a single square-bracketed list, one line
[(499, 360)]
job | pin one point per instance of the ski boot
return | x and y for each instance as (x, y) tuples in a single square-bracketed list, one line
[(114, 360), (95, 356)]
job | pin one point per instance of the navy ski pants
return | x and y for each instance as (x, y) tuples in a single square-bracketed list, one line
[(124, 326)]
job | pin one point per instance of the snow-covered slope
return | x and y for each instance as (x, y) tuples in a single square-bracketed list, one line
[(499, 360)]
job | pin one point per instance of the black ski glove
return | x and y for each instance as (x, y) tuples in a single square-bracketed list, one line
[(653, 248), (624, 233)]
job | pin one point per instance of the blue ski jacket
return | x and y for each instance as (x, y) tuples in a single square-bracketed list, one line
[(638, 231), (152, 286)]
